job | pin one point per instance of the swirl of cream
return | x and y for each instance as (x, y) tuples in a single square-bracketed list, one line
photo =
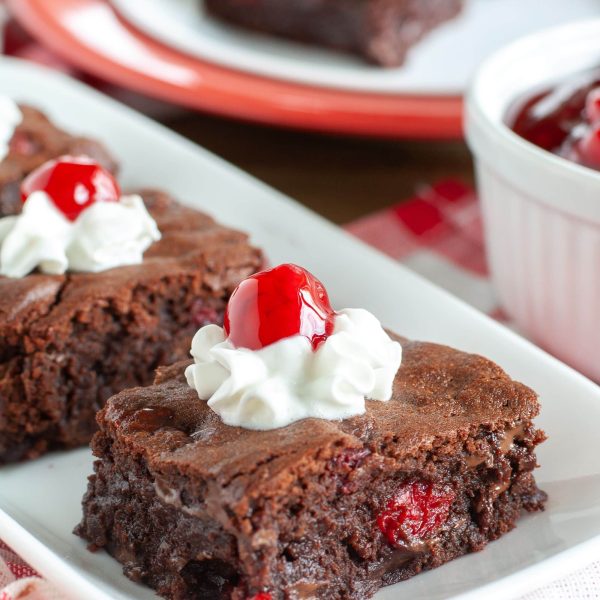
[(287, 381), (10, 117), (104, 236)]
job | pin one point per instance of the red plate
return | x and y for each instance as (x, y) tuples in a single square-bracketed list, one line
[(90, 35)]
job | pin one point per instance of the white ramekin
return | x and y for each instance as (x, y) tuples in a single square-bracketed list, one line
[(541, 212)]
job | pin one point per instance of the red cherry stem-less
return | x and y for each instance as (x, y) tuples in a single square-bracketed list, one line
[(278, 303), (73, 184)]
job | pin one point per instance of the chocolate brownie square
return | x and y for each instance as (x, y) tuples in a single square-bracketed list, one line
[(36, 140), (318, 509), (381, 31), (69, 342)]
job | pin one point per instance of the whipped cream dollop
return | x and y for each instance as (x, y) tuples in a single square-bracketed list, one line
[(10, 117), (104, 235), (287, 381)]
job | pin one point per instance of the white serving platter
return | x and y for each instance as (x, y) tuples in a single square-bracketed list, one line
[(442, 63), (40, 501)]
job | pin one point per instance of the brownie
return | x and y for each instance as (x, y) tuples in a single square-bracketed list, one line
[(35, 141), (381, 31), (68, 343), (201, 510)]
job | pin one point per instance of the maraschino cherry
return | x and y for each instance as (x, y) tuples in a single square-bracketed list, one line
[(278, 303), (415, 511), (73, 184)]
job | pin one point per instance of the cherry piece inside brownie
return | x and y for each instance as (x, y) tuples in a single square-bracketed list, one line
[(297, 459), (98, 289), (564, 120), (381, 31), (27, 140)]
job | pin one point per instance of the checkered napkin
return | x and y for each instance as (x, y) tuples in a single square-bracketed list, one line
[(438, 234), (18, 581)]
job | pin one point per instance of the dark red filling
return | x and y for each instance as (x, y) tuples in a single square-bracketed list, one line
[(203, 313), (415, 512), (564, 120), (343, 466)]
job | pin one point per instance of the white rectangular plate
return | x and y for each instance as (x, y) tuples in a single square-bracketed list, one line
[(40, 501)]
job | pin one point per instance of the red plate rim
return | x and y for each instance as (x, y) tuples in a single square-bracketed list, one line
[(78, 31)]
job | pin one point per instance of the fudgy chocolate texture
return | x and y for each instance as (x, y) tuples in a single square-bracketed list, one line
[(382, 31), (68, 343), (200, 510), (35, 141)]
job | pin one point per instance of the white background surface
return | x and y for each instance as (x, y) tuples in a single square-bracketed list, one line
[(40, 501)]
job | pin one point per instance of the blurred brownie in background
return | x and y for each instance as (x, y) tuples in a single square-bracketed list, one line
[(381, 31)]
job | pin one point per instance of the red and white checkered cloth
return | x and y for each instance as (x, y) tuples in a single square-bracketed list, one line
[(18, 581), (438, 234)]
